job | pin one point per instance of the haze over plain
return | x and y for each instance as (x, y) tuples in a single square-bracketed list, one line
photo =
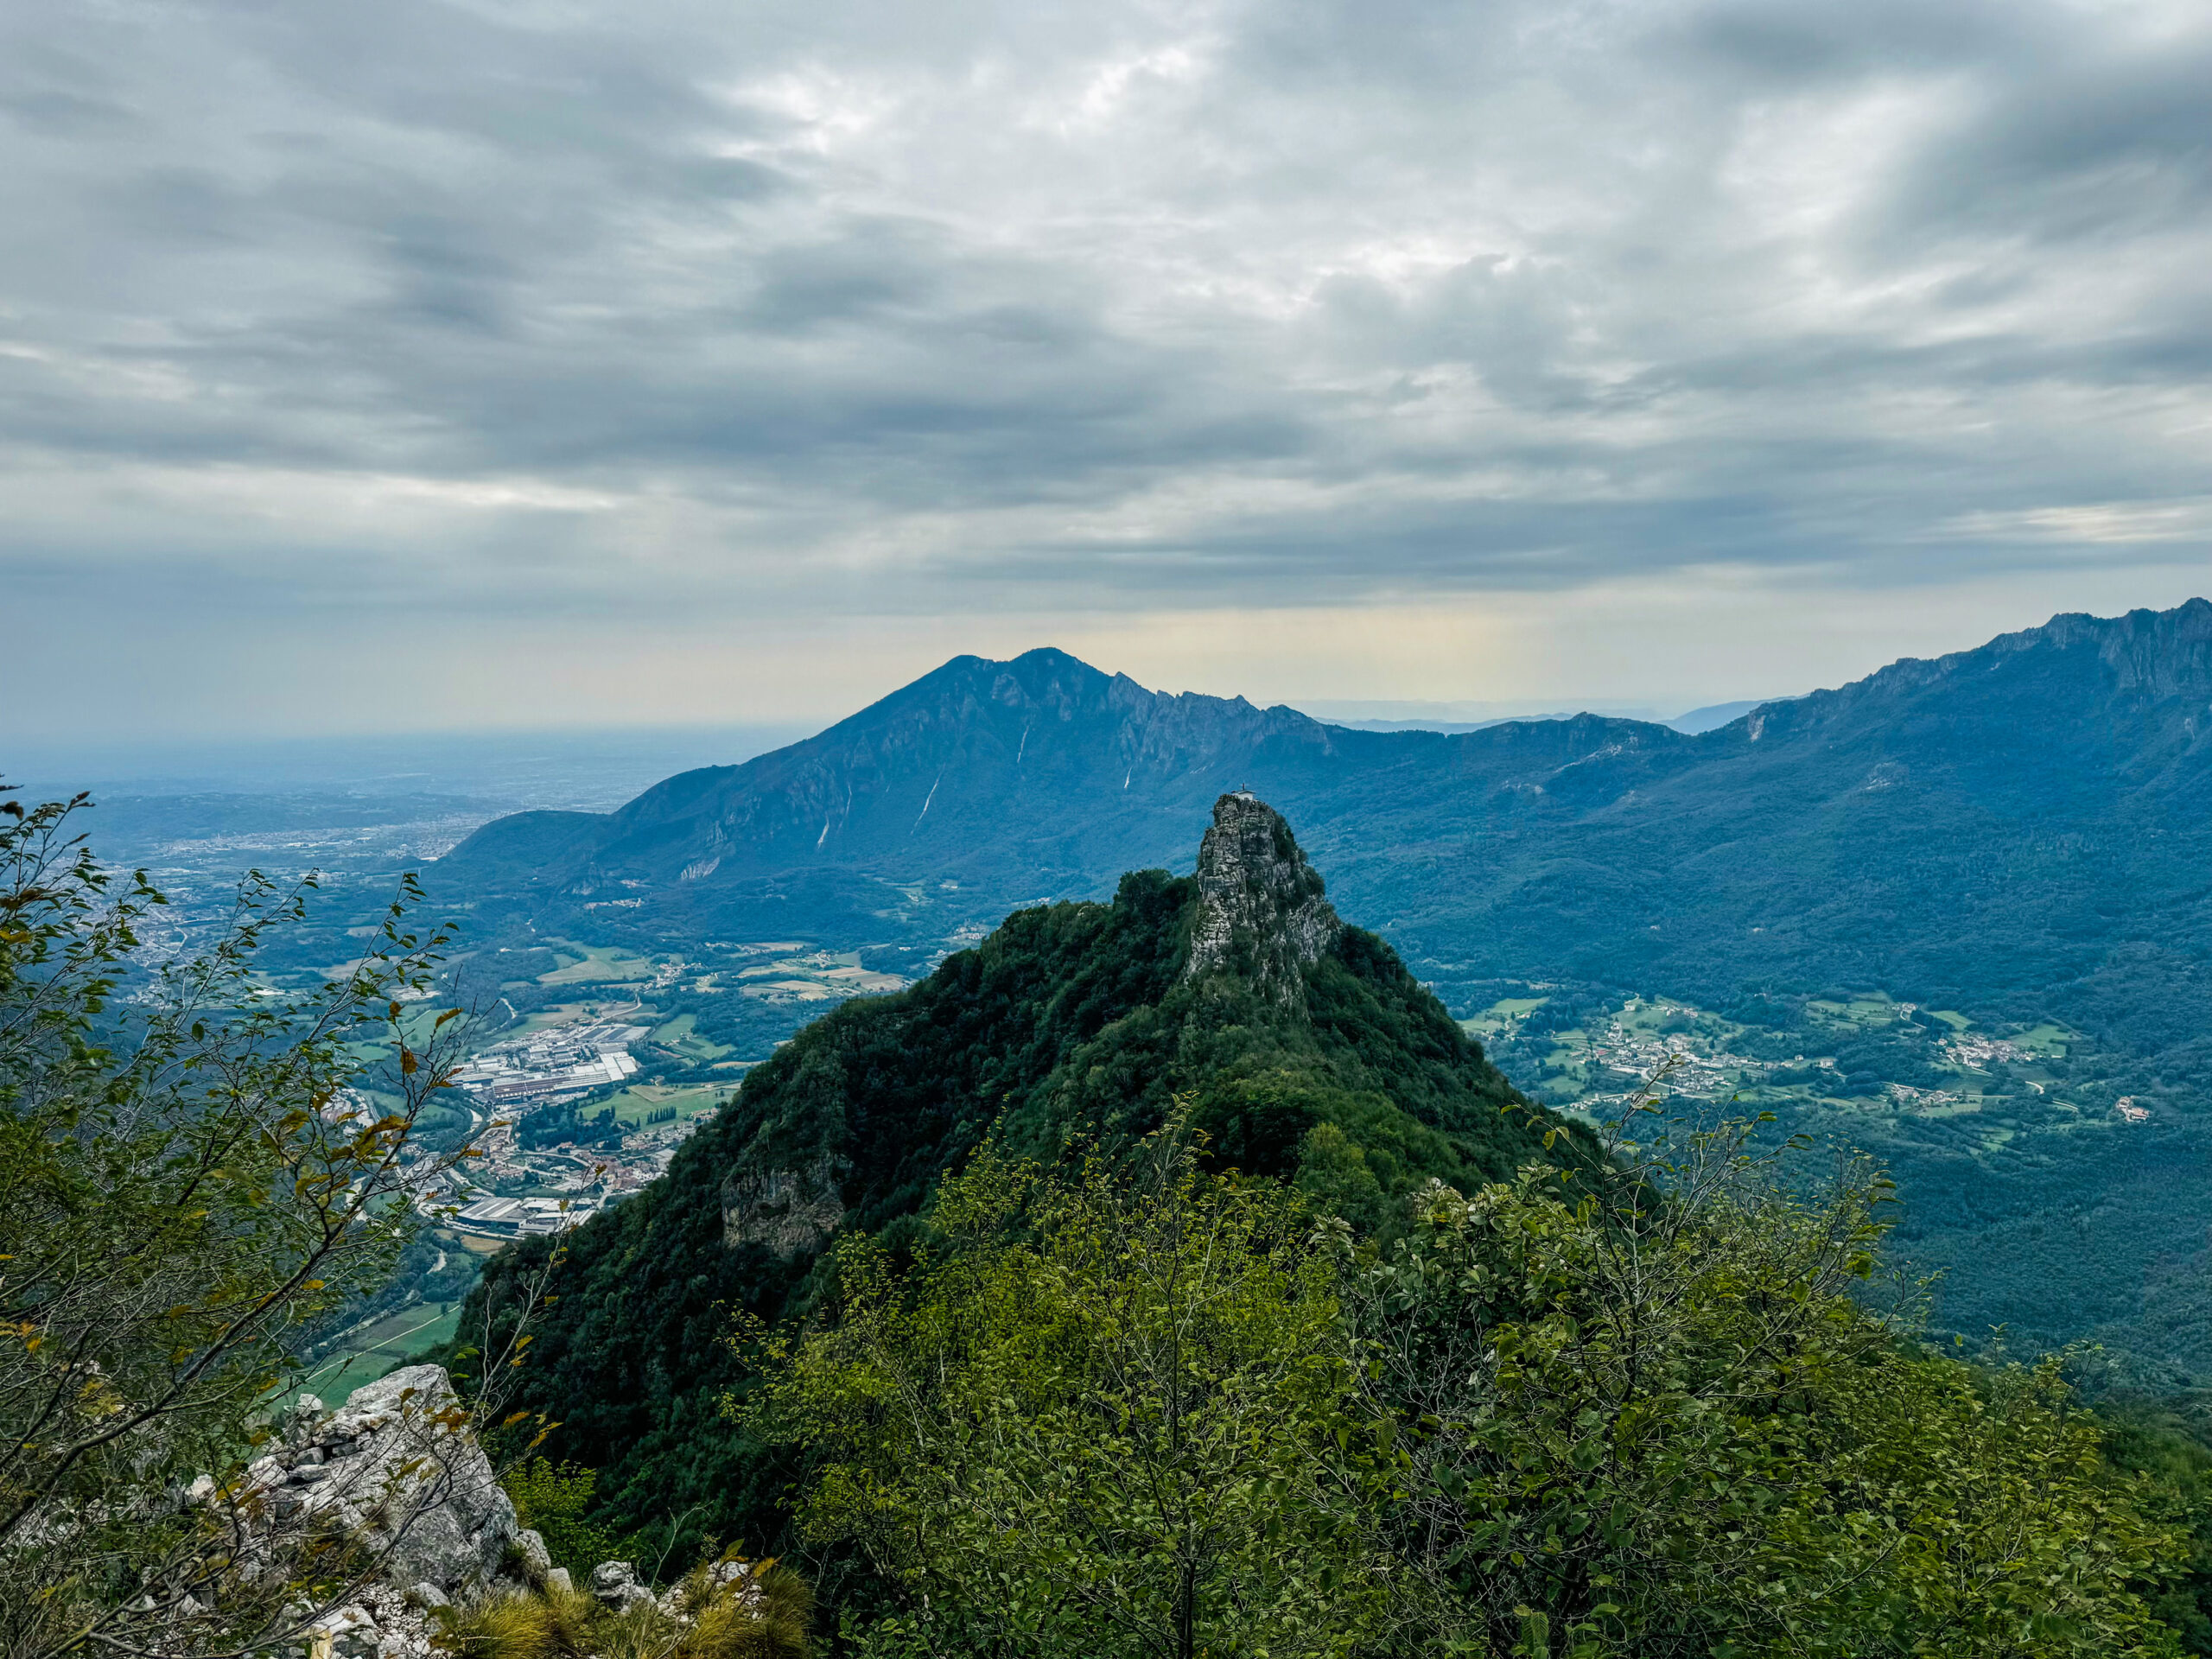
[(454, 365)]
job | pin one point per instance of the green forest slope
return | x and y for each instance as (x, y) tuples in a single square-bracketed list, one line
[(1070, 1020)]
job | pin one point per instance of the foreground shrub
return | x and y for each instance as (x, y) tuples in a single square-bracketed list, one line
[(552, 1499), (1648, 1412), (1106, 1413), (1642, 1409)]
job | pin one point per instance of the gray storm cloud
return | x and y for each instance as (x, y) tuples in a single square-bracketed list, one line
[(599, 309)]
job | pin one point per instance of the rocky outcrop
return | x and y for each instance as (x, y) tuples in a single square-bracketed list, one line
[(397, 1469), (397, 1473), (615, 1585), (792, 1212), (382, 1621), (1261, 913)]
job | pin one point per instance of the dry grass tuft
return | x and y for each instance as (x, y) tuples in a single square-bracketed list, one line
[(762, 1616), (510, 1627), (730, 1624)]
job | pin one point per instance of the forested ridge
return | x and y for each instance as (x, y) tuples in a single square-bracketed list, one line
[(1070, 1022)]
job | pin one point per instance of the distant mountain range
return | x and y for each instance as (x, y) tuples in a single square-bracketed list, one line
[(2019, 832), (1716, 714), (1038, 775), (1462, 717), (2035, 797)]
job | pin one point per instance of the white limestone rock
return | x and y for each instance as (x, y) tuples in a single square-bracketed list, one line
[(616, 1584), (382, 1624), (396, 1466)]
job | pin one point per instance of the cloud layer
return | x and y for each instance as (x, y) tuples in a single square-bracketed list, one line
[(666, 315)]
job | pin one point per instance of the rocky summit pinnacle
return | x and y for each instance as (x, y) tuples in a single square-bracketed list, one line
[(1260, 909)]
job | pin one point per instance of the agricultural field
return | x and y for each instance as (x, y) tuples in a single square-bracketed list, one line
[(811, 976), (1502, 1017), (368, 1353), (595, 965), (683, 1035), (568, 1013), (640, 1101)]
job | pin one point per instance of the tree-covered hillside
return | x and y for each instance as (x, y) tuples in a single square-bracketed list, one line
[(1306, 1050), (2017, 834), (1094, 1392)]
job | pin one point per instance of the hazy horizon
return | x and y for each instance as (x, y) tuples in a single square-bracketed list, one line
[(247, 757)]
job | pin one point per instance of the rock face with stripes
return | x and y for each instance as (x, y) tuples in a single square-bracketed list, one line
[(1262, 909), (792, 1212)]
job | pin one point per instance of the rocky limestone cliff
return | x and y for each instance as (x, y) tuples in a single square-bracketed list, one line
[(1260, 909), (792, 1212)]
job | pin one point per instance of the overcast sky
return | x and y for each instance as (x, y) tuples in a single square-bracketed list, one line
[(474, 365)]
